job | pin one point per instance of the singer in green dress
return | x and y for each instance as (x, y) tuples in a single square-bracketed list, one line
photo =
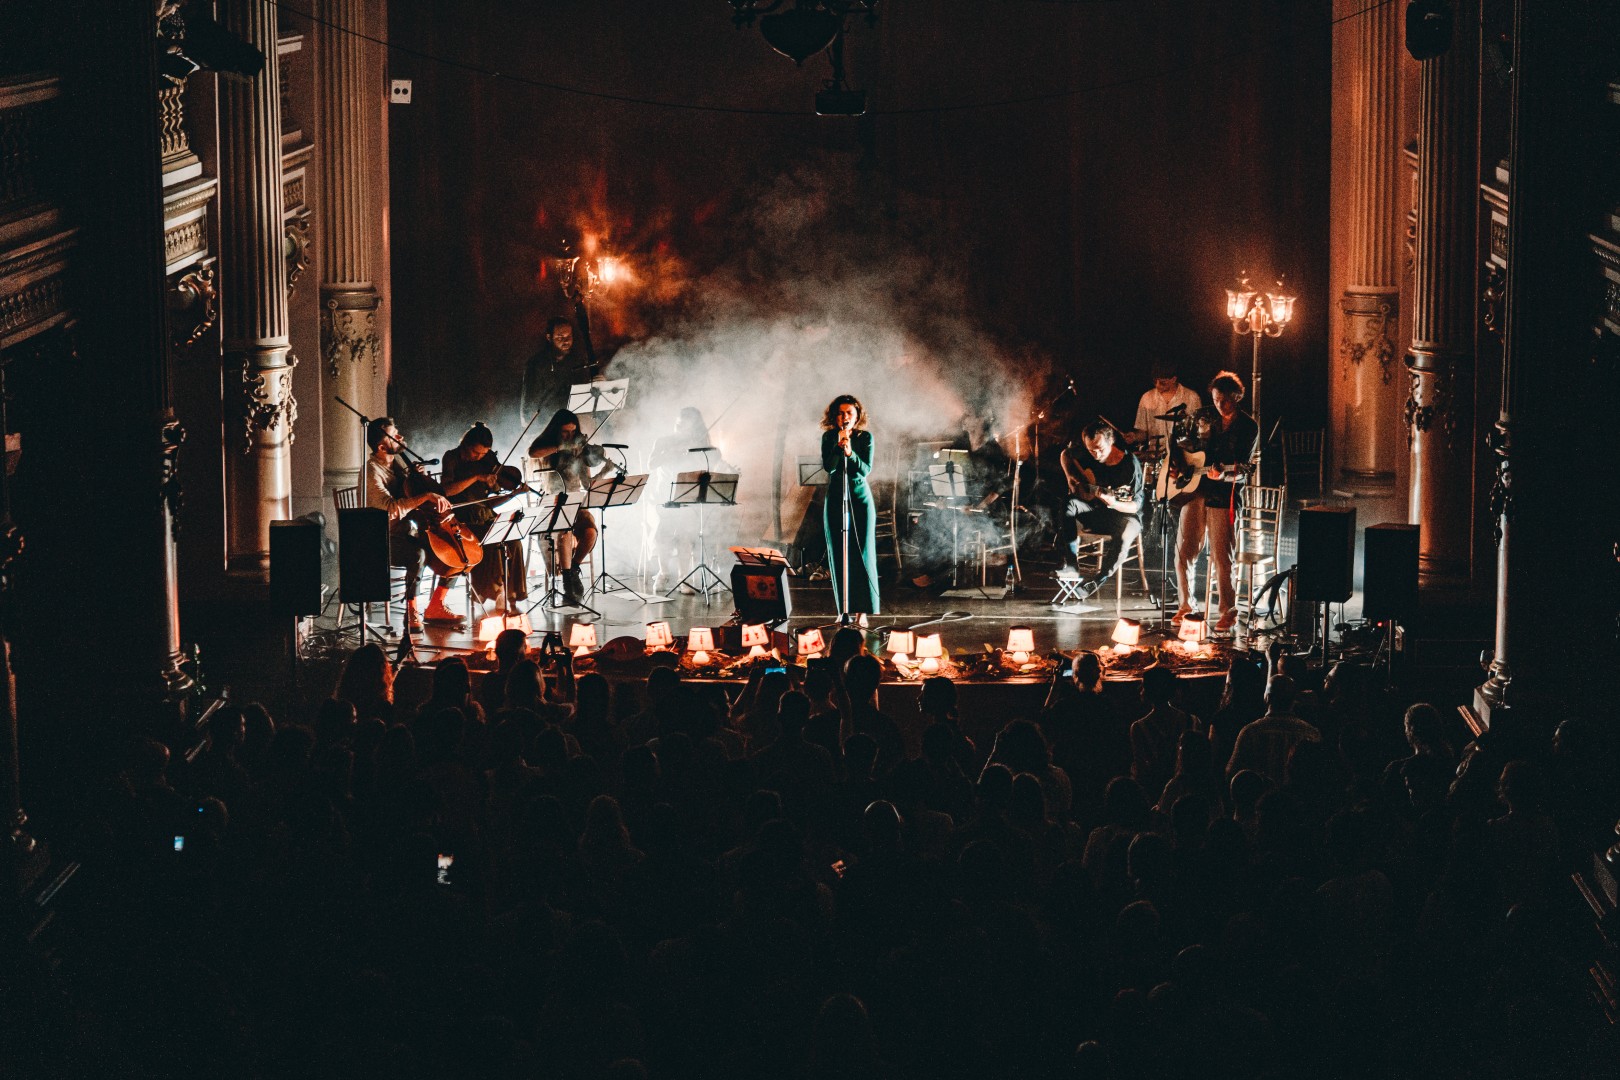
[(846, 454)]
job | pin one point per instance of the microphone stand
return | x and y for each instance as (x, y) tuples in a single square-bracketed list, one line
[(844, 618)]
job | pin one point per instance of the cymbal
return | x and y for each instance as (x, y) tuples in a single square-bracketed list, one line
[(1174, 414)]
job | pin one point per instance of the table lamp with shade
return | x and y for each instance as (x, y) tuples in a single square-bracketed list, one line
[(811, 643), (659, 635), (582, 638), (901, 642), (1127, 632), (1020, 643), (929, 651), (755, 638), (699, 643)]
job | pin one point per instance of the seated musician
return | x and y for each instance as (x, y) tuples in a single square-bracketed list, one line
[(385, 480), (987, 479), (675, 540), (561, 448), (1105, 499), (470, 477)]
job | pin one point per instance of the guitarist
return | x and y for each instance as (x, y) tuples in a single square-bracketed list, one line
[(1229, 442), (1105, 499)]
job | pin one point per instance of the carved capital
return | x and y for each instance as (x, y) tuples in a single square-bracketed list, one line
[(349, 331), (268, 401), (1491, 298), (1366, 333), (1431, 407), (170, 438), (1499, 441), (195, 292), (299, 248)]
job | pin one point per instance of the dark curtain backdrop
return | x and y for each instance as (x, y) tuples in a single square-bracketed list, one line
[(1174, 143)]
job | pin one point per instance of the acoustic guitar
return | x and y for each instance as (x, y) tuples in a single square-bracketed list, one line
[(1183, 469)]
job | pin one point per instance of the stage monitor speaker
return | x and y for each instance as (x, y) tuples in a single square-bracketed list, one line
[(761, 592), (363, 556), (1389, 571), (1327, 554), (295, 568)]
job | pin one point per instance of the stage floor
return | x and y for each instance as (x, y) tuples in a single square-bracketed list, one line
[(965, 618)]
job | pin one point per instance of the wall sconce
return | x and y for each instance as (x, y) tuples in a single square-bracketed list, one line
[(901, 642), (699, 642), (582, 638), (929, 651), (1127, 632), (1020, 643), (659, 636)]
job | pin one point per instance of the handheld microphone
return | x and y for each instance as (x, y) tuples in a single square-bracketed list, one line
[(701, 449)]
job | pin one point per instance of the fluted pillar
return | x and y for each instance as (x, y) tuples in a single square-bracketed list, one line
[(1367, 410), (351, 354), (259, 406), (1555, 649), (1440, 408)]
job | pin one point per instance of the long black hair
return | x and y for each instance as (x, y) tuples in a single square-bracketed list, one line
[(552, 435)]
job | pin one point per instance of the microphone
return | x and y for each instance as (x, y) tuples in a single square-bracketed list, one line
[(701, 449), (615, 446)]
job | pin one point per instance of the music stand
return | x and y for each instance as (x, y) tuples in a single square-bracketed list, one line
[(508, 525), (948, 483), (702, 489), (556, 515), (602, 396), (607, 493), (812, 473)]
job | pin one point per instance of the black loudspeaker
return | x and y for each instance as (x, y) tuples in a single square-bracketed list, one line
[(1327, 554), (761, 592), (295, 568), (1389, 571), (363, 556)]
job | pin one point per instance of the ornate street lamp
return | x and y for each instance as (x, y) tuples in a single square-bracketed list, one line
[(1258, 314)]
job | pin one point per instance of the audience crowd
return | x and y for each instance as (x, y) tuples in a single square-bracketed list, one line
[(549, 876)]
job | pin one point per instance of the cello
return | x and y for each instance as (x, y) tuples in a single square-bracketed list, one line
[(451, 546)]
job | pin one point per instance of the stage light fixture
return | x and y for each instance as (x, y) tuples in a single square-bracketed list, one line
[(1428, 28)]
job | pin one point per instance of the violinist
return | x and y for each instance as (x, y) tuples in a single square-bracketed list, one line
[(386, 480), (574, 463), (473, 478)]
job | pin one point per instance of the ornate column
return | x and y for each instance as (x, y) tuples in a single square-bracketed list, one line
[(351, 353), (1440, 410), (1367, 408), (118, 392), (259, 406), (1554, 634)]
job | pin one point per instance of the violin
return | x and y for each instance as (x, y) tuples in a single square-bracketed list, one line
[(451, 546)]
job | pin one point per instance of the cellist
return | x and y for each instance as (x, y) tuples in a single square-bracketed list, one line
[(386, 490), (472, 474)]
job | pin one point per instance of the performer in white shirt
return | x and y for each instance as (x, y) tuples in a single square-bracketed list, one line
[(1166, 395)]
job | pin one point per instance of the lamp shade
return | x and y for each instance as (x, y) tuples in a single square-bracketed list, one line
[(810, 642), (902, 642), (928, 646), (1192, 628), (490, 628), (1238, 302), (582, 636), (659, 636), (699, 639), (1020, 639), (1127, 632), (755, 635), (1282, 308)]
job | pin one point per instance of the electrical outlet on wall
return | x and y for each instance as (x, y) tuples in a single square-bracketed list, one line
[(400, 92)]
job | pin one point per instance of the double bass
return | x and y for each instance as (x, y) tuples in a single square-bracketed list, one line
[(452, 548)]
